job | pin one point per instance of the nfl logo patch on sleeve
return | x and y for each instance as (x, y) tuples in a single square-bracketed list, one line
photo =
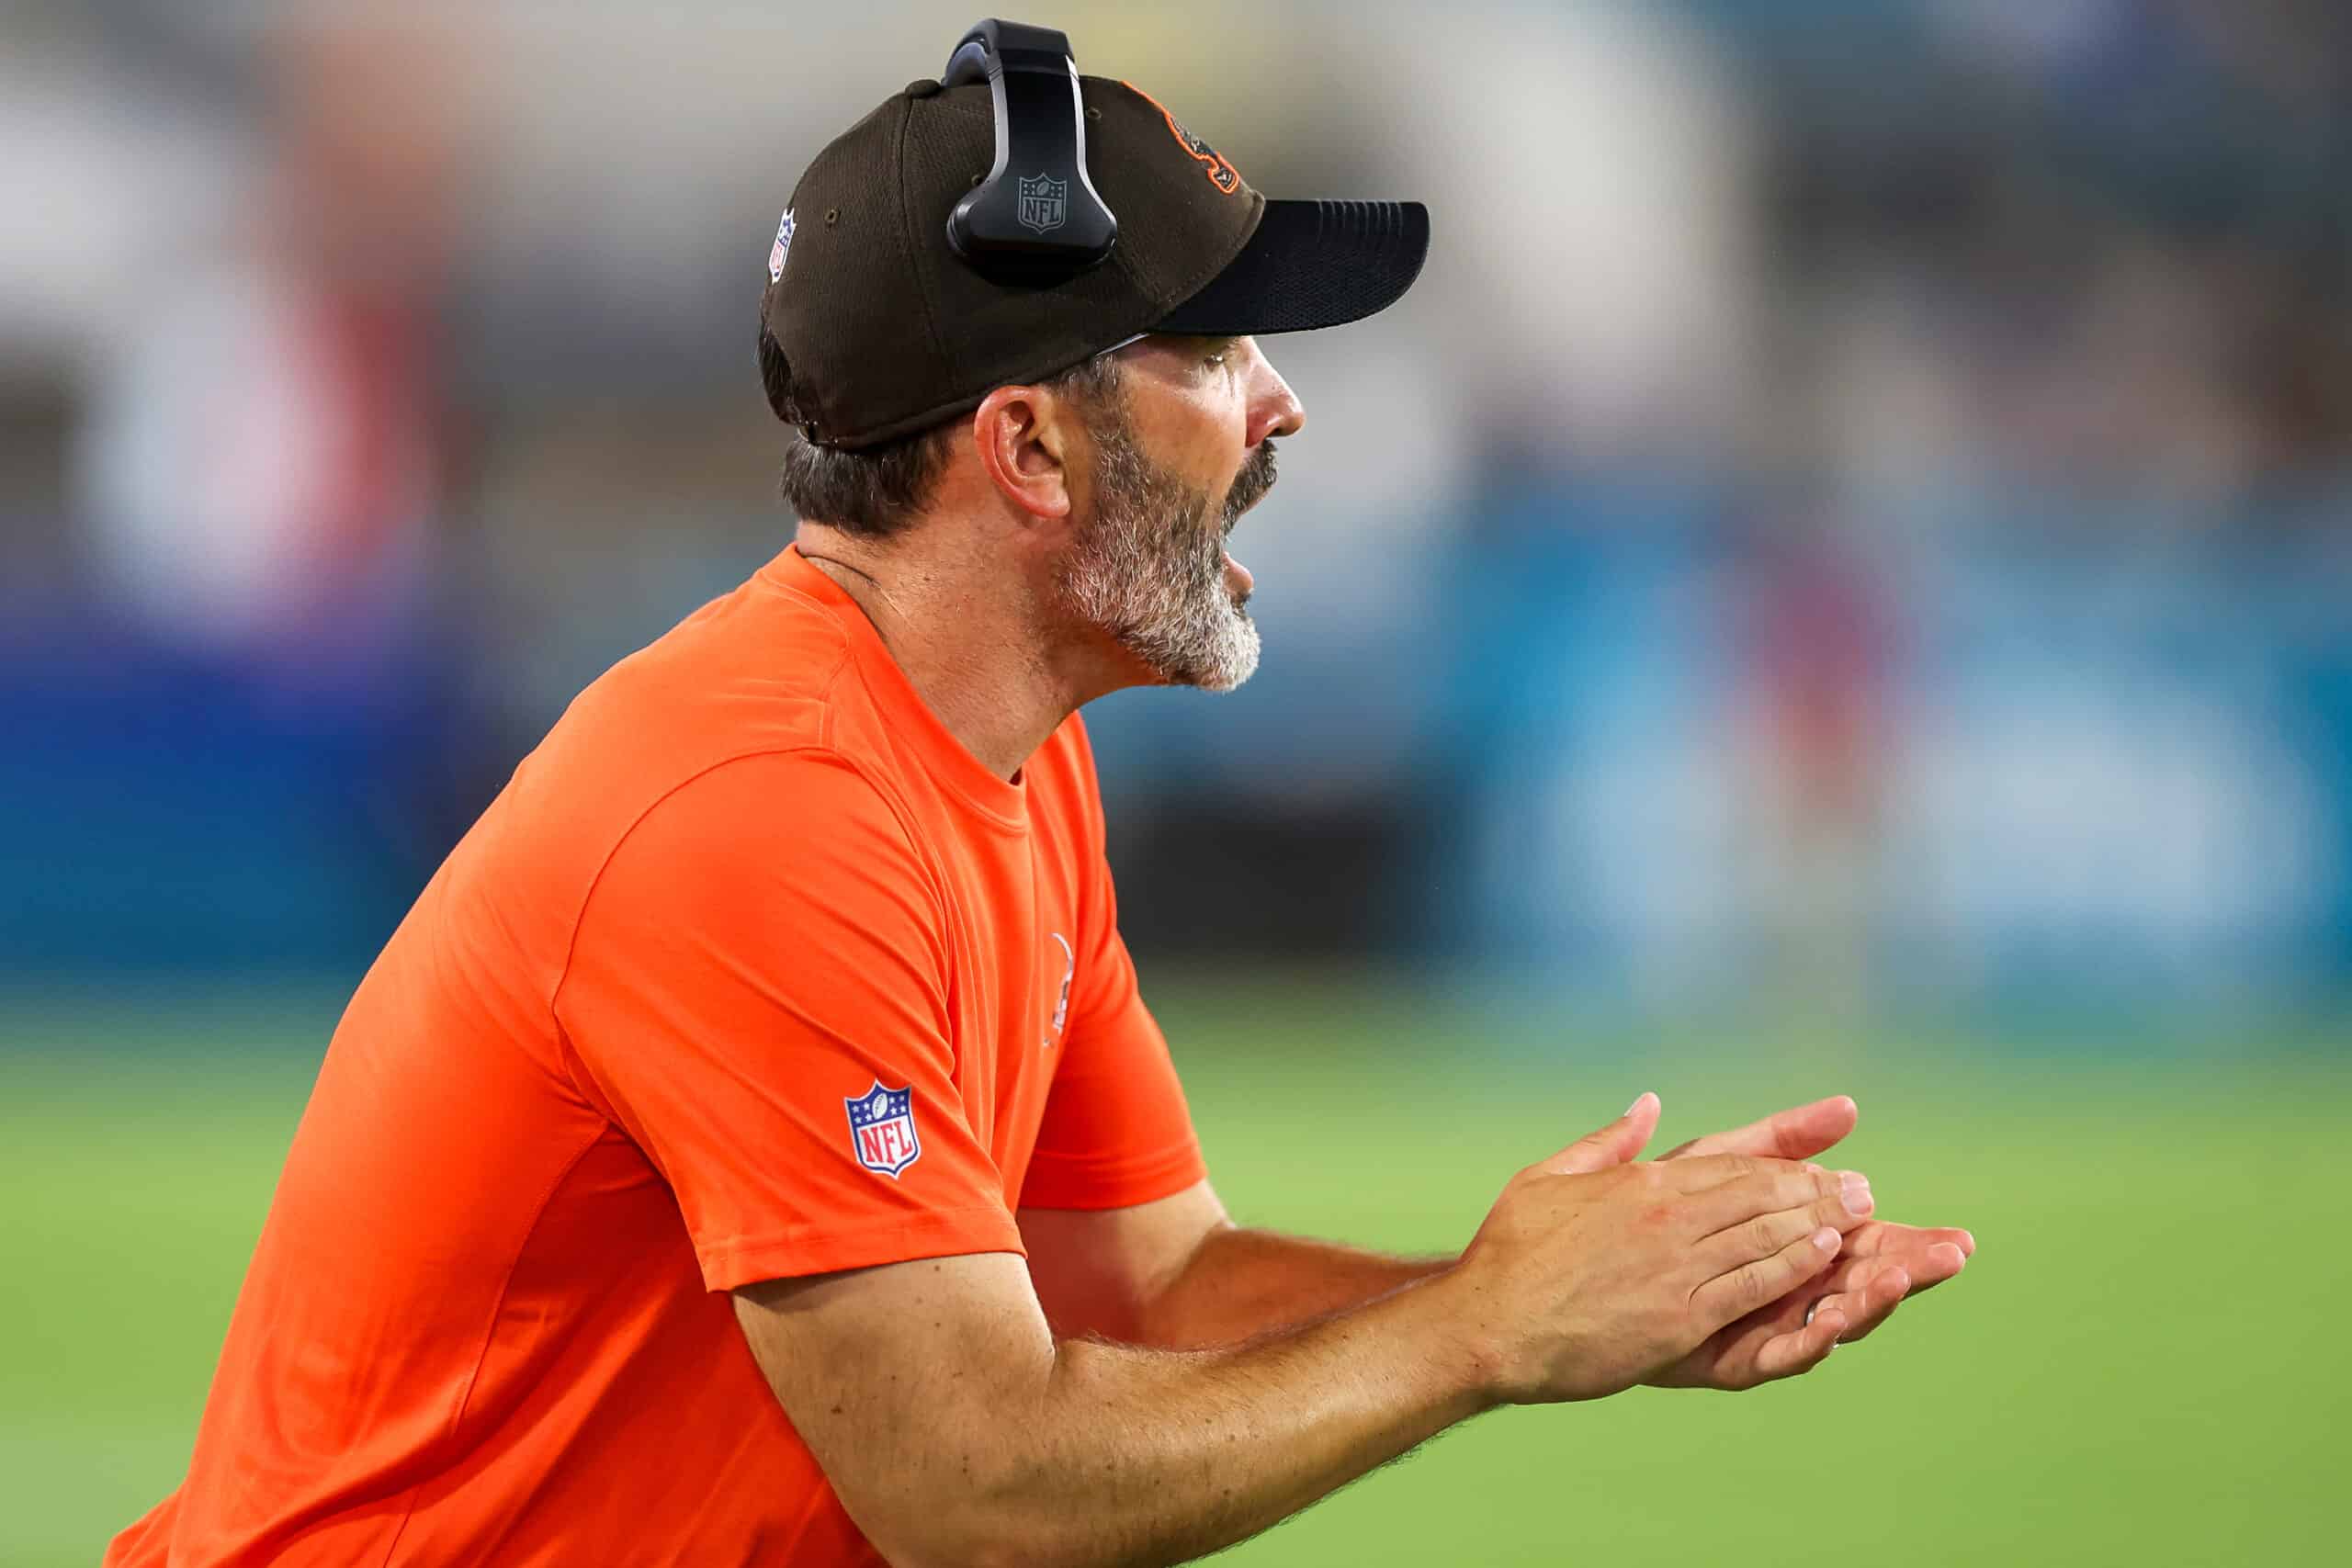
[(882, 1129)]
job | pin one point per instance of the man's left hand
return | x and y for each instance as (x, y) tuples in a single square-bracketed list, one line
[(1880, 1264)]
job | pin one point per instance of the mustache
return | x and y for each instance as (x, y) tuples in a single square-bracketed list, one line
[(1256, 478)]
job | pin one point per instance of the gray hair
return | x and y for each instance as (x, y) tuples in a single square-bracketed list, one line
[(877, 491)]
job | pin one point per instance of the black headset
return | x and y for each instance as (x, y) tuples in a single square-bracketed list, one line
[(1035, 220)]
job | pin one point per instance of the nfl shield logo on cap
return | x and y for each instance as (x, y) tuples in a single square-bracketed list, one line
[(1044, 203), (882, 1129), (782, 248)]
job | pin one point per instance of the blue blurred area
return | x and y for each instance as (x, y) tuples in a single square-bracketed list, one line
[(166, 810), (2120, 783)]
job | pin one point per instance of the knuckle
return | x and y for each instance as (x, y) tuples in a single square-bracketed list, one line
[(1742, 1193), (1760, 1238), (1753, 1286), (1709, 1171)]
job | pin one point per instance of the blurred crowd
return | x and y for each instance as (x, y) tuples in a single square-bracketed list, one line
[(1857, 511)]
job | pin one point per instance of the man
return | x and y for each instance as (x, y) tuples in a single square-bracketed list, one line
[(751, 1148)]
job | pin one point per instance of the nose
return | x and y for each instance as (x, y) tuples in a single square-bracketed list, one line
[(1274, 409)]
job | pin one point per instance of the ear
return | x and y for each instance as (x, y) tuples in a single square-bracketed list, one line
[(1026, 439)]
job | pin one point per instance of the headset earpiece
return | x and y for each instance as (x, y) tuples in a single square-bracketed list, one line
[(1036, 219)]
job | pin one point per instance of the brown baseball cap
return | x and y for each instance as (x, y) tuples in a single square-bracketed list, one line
[(882, 328)]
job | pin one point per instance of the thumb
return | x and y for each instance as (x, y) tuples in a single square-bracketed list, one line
[(1613, 1145)]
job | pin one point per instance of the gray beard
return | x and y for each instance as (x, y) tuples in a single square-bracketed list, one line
[(1148, 571)]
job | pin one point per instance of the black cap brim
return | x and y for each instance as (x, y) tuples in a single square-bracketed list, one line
[(1308, 264)]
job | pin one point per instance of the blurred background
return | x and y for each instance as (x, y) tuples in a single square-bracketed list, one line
[(1838, 578)]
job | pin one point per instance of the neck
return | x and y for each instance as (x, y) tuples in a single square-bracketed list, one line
[(975, 641)]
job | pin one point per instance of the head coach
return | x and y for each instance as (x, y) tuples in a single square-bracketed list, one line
[(752, 1147)]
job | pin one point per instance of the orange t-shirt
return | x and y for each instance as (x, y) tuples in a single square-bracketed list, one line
[(751, 971)]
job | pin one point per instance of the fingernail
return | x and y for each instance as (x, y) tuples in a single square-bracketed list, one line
[(1638, 1103), (1825, 1238), (1856, 1187)]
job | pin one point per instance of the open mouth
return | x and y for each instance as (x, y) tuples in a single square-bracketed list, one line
[(1259, 482)]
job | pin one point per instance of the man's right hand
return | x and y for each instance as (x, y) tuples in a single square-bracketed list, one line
[(1592, 1272)]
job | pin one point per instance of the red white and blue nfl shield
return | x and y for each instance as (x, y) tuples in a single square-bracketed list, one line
[(782, 248), (882, 1129)]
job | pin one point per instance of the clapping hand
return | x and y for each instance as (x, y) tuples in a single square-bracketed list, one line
[(1879, 1264)]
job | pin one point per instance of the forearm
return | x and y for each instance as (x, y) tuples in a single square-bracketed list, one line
[(1242, 1283), (1122, 1455)]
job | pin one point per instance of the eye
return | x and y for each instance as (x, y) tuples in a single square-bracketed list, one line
[(1216, 356)]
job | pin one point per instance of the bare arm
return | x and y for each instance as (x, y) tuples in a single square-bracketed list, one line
[(1179, 1274), (988, 1441), (1246, 1282), (957, 1429)]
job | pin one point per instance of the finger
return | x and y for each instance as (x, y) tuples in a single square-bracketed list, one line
[(1865, 1294), (1799, 1133), (1775, 1187), (1800, 1349), (1931, 1263), (1872, 1301), (1765, 1234), (1696, 1173), (1860, 1294), (1741, 1290), (1850, 1273), (1881, 1237), (1614, 1145)]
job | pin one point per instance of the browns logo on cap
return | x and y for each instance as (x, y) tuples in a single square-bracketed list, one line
[(1222, 173)]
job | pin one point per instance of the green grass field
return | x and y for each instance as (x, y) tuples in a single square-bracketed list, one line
[(2146, 1363)]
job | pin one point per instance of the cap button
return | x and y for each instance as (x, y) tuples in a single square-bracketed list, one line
[(925, 87)]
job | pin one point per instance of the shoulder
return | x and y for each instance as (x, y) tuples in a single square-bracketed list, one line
[(751, 808), (775, 856), (757, 673), (757, 669), (724, 743)]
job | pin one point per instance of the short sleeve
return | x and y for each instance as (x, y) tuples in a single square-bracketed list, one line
[(1116, 1130), (757, 994)]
